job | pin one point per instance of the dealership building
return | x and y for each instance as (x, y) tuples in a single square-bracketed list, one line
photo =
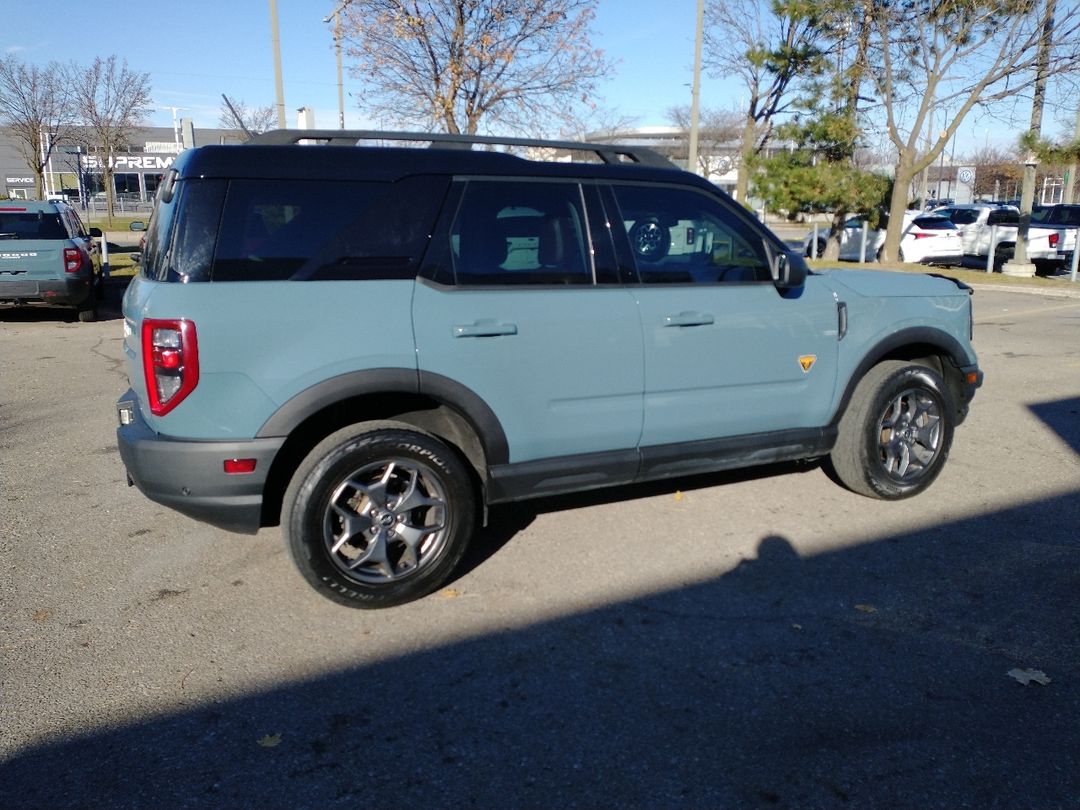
[(75, 167)]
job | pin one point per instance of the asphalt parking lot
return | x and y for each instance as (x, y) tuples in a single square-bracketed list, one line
[(761, 639)]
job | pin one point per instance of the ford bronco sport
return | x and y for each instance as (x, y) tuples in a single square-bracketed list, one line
[(371, 344), (47, 258)]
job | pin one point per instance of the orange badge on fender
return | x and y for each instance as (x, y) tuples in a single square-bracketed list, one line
[(807, 361)]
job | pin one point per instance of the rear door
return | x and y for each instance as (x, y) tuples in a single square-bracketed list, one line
[(517, 313)]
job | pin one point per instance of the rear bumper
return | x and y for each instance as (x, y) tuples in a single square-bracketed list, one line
[(189, 476), (69, 292)]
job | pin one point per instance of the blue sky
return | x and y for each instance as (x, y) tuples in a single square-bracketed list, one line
[(194, 50)]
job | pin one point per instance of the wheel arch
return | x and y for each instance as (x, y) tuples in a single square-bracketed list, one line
[(924, 346), (432, 403)]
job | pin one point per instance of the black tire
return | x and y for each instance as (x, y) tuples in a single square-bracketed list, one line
[(896, 433), (389, 482), (649, 239), (88, 315), (821, 245)]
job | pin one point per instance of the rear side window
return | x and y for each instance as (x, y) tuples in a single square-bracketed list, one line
[(1063, 215), (962, 216), (1003, 217), (29, 225), (520, 233), (325, 230)]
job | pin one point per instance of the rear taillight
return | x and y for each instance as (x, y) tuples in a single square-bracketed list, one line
[(72, 260), (1054, 238), (170, 355), (923, 235)]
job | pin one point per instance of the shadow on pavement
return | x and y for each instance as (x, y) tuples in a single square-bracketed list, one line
[(1063, 417), (871, 676)]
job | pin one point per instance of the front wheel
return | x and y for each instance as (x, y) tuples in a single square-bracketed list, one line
[(896, 433), (378, 514)]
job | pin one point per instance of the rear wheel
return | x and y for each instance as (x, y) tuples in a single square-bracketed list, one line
[(378, 514), (89, 314), (896, 433)]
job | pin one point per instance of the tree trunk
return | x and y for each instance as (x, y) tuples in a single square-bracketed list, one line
[(898, 203), (746, 156), (832, 246)]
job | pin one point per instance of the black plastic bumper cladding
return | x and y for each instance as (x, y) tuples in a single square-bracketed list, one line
[(189, 476)]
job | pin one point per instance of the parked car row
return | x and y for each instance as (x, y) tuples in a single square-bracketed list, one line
[(973, 230), (927, 238)]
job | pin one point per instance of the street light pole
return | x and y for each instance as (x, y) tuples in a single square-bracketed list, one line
[(278, 87), (695, 91)]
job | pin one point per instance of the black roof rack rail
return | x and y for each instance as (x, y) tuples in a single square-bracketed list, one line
[(607, 152)]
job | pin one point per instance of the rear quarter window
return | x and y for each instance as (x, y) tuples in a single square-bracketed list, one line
[(311, 230)]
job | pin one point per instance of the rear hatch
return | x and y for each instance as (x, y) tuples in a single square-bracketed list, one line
[(31, 250)]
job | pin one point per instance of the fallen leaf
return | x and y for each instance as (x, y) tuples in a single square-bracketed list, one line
[(1026, 676), (678, 495), (41, 615), (270, 740), (866, 608), (450, 593)]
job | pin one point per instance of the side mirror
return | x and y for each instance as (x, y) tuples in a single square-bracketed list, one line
[(137, 225), (96, 233), (788, 270)]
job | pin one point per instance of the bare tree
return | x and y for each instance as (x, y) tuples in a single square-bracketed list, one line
[(955, 55), (602, 123), (719, 135), (998, 173), (451, 64), (35, 106), (111, 101), (235, 114), (771, 49)]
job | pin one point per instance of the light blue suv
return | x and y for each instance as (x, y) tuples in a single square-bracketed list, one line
[(372, 344), (47, 258)]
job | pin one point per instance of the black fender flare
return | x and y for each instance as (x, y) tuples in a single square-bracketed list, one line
[(353, 384), (917, 335)]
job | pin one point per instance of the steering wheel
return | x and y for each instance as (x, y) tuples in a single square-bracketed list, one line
[(650, 240)]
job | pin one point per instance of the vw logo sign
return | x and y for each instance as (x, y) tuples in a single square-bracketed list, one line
[(966, 175)]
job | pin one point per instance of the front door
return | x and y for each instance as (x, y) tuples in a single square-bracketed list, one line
[(726, 353)]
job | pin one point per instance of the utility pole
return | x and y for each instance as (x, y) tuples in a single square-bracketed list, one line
[(278, 88), (695, 91), (336, 17), (1020, 266)]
